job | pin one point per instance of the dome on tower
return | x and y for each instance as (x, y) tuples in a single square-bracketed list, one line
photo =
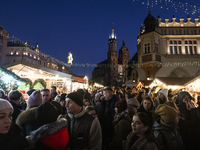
[(149, 23)]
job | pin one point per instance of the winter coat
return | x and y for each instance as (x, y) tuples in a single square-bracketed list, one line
[(27, 121), (168, 137), (190, 126), (132, 106), (16, 112), (84, 131), (53, 136), (134, 142), (122, 127), (13, 140), (109, 115)]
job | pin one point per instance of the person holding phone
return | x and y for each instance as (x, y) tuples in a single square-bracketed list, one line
[(189, 126)]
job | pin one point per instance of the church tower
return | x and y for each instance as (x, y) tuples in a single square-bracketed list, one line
[(112, 58), (123, 60)]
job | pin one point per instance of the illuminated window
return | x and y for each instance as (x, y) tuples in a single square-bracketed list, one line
[(175, 47)]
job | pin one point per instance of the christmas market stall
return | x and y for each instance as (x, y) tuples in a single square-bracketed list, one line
[(173, 83), (9, 80)]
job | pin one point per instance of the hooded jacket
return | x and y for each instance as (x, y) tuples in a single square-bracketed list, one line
[(168, 138), (51, 136), (27, 121), (190, 126), (122, 127)]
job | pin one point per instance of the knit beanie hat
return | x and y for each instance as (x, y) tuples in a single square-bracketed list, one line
[(62, 96), (165, 92), (5, 104), (35, 99), (167, 114), (30, 92), (121, 105), (58, 106), (46, 113), (76, 97)]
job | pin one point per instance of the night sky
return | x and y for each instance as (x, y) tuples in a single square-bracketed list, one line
[(82, 27)]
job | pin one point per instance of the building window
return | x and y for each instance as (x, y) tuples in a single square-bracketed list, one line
[(147, 48), (179, 50), (156, 47), (191, 47), (186, 50), (175, 47), (191, 51), (175, 50), (195, 49), (171, 50)]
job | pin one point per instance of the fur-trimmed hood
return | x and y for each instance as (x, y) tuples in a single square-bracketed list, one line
[(47, 129), (26, 116)]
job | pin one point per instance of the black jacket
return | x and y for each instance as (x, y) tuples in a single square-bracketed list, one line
[(168, 137), (13, 140), (189, 127)]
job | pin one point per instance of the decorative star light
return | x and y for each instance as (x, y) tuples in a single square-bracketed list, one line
[(70, 58)]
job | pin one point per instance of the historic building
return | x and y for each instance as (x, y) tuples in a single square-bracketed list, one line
[(166, 49), (4, 36), (111, 72), (32, 64)]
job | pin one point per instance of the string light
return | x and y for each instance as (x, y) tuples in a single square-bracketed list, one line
[(188, 7)]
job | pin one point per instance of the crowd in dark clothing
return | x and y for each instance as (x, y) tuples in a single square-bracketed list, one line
[(107, 118)]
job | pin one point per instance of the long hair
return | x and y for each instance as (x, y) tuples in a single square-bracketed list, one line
[(149, 99), (144, 118)]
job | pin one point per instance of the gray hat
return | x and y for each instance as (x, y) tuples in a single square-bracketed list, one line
[(5, 104)]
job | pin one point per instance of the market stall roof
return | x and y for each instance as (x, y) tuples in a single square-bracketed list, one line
[(174, 80), (130, 83), (145, 82), (16, 77), (22, 69), (192, 80)]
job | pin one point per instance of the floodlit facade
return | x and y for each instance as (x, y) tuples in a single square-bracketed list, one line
[(167, 48)]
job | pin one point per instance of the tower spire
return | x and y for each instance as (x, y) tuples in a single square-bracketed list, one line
[(149, 10), (113, 35)]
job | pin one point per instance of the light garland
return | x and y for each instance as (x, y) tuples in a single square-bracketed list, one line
[(166, 64), (187, 7)]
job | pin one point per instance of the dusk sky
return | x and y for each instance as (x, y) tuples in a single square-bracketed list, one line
[(82, 27)]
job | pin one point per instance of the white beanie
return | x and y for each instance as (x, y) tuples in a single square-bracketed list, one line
[(165, 92), (5, 104)]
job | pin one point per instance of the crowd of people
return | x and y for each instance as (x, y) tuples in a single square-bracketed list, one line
[(102, 119)]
